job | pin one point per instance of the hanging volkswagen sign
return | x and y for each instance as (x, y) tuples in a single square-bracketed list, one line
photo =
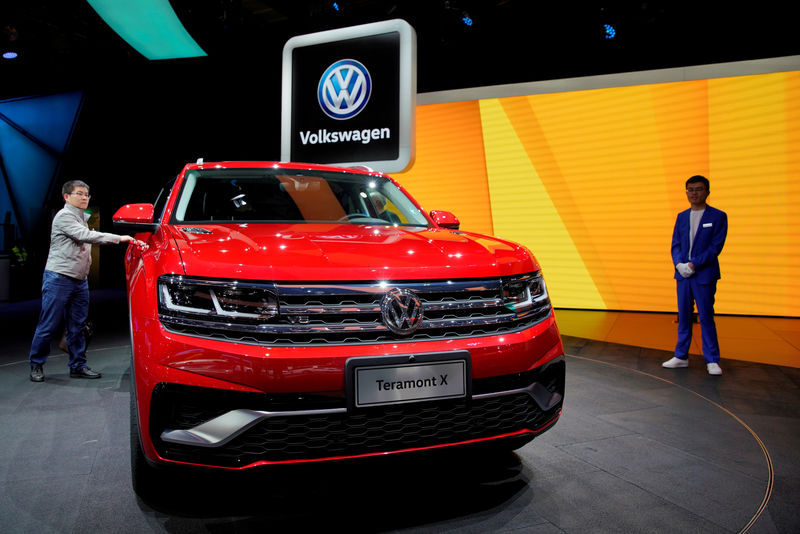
[(344, 89), (349, 97)]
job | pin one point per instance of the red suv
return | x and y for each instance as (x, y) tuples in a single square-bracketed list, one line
[(285, 313)]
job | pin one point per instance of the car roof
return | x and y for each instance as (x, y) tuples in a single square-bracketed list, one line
[(201, 165)]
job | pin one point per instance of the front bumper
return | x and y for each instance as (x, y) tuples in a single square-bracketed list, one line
[(226, 405), (196, 425)]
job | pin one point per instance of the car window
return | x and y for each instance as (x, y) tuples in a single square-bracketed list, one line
[(252, 195)]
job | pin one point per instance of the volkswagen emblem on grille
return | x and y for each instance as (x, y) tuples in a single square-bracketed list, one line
[(401, 311), (344, 89)]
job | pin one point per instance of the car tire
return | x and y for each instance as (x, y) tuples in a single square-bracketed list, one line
[(148, 481)]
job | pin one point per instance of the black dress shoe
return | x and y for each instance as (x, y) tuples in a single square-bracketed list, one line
[(37, 373), (83, 372)]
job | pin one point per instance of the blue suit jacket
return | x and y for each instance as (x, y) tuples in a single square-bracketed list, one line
[(708, 243)]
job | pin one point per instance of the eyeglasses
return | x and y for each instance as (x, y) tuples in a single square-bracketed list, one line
[(82, 194), (696, 190)]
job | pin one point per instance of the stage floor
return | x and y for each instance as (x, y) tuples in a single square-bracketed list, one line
[(638, 448)]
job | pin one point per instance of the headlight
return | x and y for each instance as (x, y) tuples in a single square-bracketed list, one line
[(216, 300), (526, 293)]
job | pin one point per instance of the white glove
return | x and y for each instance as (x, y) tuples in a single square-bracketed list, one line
[(684, 270)]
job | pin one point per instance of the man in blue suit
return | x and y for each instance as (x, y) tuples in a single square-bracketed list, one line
[(697, 242)]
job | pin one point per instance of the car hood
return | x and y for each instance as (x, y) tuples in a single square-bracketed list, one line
[(316, 252)]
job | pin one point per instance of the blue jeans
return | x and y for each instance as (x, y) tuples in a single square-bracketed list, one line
[(64, 300)]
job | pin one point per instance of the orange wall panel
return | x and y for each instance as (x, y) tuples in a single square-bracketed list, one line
[(449, 172)]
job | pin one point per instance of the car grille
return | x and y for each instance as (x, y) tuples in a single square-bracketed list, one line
[(358, 432), (325, 314)]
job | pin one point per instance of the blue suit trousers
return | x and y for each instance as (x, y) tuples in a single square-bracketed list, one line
[(691, 292)]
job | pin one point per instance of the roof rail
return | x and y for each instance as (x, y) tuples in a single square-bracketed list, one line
[(362, 168)]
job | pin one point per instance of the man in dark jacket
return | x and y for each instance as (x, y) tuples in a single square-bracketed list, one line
[(65, 290), (697, 242)]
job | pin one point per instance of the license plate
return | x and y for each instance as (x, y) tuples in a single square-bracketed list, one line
[(376, 385)]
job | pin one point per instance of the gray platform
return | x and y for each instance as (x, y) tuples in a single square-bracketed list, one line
[(638, 449)]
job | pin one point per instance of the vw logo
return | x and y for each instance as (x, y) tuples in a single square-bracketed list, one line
[(344, 89), (401, 311)]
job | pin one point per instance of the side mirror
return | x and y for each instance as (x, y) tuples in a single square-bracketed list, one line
[(135, 218), (445, 219)]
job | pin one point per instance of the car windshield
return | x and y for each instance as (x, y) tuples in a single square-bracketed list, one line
[(281, 196)]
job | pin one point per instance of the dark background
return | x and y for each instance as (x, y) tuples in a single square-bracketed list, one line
[(143, 120)]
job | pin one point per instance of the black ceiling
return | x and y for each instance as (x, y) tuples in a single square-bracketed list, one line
[(63, 44)]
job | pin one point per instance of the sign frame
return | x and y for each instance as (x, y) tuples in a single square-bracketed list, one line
[(407, 91)]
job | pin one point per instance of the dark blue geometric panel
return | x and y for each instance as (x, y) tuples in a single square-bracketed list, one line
[(34, 135)]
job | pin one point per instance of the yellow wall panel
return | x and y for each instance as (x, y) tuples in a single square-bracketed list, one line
[(608, 147), (537, 147), (591, 181), (523, 212)]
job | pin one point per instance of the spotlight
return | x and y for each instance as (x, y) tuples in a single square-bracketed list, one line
[(9, 55)]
